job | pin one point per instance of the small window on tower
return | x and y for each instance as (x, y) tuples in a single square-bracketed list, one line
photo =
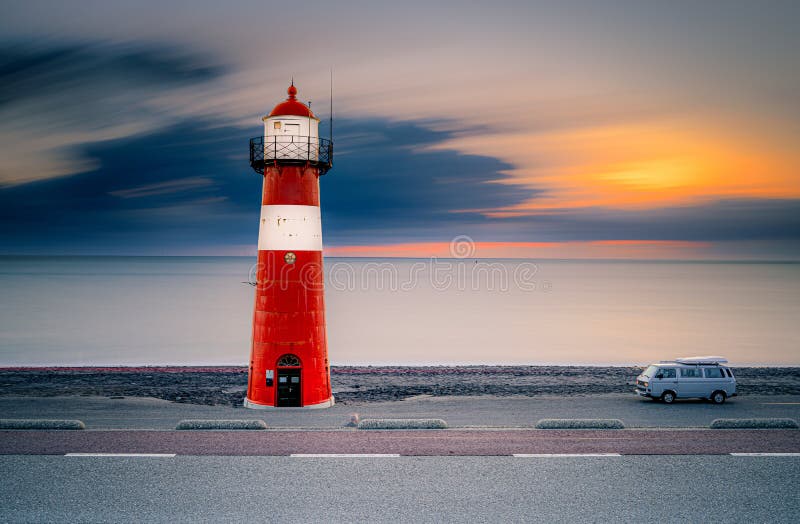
[(276, 125)]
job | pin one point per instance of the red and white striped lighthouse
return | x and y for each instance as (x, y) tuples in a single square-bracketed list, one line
[(289, 355)]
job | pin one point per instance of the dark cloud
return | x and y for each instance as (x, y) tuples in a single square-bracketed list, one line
[(54, 99), (743, 219), (169, 185), (149, 181), (190, 185), (28, 71), (164, 191), (386, 174)]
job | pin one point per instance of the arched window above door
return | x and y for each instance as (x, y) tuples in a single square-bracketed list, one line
[(288, 361)]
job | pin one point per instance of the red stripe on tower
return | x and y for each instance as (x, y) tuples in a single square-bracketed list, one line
[(289, 355)]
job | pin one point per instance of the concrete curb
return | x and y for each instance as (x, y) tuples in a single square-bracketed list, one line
[(36, 423), (754, 423), (222, 424), (580, 423), (402, 423)]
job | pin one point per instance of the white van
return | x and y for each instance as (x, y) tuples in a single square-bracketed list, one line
[(691, 377)]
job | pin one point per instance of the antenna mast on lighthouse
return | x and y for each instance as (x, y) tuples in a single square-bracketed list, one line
[(330, 126)]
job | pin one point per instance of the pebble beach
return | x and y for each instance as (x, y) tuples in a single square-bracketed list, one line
[(227, 385)]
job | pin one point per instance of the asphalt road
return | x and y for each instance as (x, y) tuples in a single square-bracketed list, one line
[(408, 443), (147, 413), (404, 489)]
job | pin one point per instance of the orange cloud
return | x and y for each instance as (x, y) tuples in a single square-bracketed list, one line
[(638, 166)]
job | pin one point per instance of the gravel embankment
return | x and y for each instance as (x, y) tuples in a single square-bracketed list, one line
[(226, 385)]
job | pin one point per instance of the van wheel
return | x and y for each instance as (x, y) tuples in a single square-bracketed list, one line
[(718, 397), (668, 397)]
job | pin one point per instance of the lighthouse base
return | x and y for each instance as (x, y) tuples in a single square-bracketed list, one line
[(252, 405)]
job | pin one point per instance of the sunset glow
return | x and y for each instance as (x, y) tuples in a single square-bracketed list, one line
[(594, 249), (638, 167)]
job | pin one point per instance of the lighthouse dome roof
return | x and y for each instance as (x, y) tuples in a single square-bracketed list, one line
[(292, 106)]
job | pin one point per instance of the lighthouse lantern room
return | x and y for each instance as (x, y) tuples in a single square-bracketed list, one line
[(288, 356)]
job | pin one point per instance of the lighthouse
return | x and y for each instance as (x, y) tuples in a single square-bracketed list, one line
[(289, 356)]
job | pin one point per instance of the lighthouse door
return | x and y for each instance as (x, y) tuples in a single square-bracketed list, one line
[(288, 388), (291, 129)]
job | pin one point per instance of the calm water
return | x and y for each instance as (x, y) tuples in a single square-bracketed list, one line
[(196, 310)]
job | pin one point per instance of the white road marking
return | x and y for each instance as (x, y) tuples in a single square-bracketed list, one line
[(558, 455), (119, 455), (765, 454), (344, 455)]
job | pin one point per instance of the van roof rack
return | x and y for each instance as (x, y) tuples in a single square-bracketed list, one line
[(710, 360)]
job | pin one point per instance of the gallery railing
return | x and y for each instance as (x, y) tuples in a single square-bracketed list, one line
[(291, 149)]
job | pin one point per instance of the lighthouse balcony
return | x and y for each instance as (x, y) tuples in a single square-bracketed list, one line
[(291, 149)]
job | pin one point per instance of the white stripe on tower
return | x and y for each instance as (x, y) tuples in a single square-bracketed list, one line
[(290, 228)]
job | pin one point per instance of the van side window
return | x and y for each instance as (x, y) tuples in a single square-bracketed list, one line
[(667, 372), (728, 371), (690, 373), (714, 373)]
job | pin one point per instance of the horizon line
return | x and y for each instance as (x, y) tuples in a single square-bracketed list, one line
[(553, 259), (45, 367)]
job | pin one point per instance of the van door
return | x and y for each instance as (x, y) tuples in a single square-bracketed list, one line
[(691, 383), (715, 380), (730, 383), (663, 380)]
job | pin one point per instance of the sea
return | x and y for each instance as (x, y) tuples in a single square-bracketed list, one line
[(190, 311)]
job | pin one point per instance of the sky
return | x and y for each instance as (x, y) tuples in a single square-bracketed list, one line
[(569, 129)]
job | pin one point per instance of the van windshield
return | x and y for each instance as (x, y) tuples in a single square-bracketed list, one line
[(650, 371)]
